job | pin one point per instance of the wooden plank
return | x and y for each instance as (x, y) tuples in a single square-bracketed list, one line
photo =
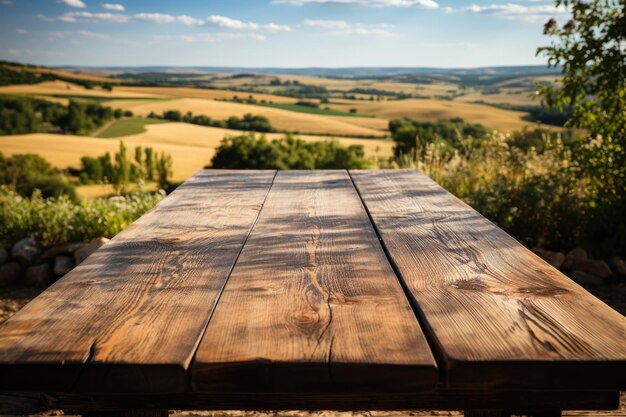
[(496, 314), (131, 316), (313, 305), (518, 402)]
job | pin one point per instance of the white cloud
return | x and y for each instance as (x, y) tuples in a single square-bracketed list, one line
[(107, 17), (227, 22), (167, 18), (273, 27), (341, 27), (93, 17), (210, 37), (513, 11), (77, 33), (21, 31), (6, 2), (114, 7), (426, 4), (73, 3), (327, 24)]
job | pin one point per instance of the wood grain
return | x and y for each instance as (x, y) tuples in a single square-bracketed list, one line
[(131, 316), (313, 305), (496, 314)]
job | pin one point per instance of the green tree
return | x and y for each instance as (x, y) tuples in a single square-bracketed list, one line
[(122, 169), (149, 163), (591, 50), (164, 169), (28, 173), (92, 168)]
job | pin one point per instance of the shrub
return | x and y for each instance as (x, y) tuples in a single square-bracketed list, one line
[(26, 173), (535, 197), (250, 152), (60, 220)]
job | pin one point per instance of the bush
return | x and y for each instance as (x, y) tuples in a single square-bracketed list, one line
[(535, 197), (60, 220), (26, 173), (412, 136), (250, 152), (19, 115)]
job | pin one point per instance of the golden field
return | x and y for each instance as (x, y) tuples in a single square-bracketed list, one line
[(433, 110), (202, 93), (191, 146), (281, 119), (208, 102), (65, 88)]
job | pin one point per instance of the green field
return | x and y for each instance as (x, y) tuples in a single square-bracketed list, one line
[(312, 110), (127, 127)]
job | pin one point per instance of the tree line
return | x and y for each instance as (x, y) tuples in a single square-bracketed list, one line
[(247, 122), (19, 115)]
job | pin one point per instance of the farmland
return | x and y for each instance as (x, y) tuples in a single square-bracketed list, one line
[(191, 146), (355, 109), (127, 127)]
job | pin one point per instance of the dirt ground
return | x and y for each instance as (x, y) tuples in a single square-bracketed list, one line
[(12, 299)]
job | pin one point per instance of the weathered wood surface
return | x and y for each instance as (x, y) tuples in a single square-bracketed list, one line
[(496, 315), (313, 304), (131, 316)]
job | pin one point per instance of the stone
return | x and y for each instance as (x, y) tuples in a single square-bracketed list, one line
[(83, 253), (4, 255), (62, 265), (26, 251), (38, 276), (10, 273), (593, 267), (585, 278), (618, 265), (574, 254), (57, 250), (555, 259)]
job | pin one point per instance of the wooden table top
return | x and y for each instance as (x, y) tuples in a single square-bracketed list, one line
[(311, 282)]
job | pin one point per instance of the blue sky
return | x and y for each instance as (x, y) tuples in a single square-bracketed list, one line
[(275, 33)]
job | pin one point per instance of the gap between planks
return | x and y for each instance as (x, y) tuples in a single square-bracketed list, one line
[(435, 348)]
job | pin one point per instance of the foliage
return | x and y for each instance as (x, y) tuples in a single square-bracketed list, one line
[(531, 195), (19, 115), (121, 170), (163, 166), (61, 220), (412, 136), (527, 139), (250, 152), (591, 49), (26, 173), (247, 122)]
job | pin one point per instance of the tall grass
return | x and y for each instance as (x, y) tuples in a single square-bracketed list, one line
[(536, 197)]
